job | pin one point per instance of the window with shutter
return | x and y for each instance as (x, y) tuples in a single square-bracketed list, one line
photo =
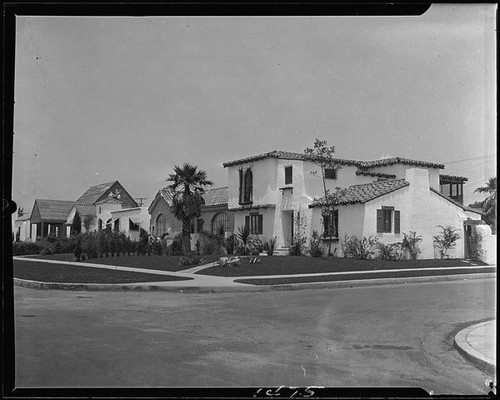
[(240, 197), (380, 219), (330, 173), (385, 216)]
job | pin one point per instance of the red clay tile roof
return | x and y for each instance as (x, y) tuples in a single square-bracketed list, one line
[(375, 174), (213, 197), (286, 155), (363, 193), (453, 178), (94, 193), (283, 155), (53, 210), (216, 196), (398, 160)]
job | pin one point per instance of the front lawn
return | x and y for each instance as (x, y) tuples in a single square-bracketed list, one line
[(381, 275), (285, 265), (161, 263), (68, 273)]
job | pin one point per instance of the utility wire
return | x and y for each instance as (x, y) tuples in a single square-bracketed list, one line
[(468, 159)]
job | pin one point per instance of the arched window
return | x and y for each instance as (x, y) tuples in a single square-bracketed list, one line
[(247, 197), (220, 222), (161, 225)]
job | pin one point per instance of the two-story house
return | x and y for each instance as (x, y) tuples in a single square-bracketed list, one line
[(384, 198)]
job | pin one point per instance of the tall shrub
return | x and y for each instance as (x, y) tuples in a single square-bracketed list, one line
[(410, 244), (446, 240)]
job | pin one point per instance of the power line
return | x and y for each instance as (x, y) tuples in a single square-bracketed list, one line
[(468, 159)]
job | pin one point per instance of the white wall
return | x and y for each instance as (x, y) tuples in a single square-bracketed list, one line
[(487, 244), (135, 213)]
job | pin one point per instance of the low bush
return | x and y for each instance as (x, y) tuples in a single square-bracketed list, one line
[(230, 243), (389, 251), (210, 243), (410, 244), (26, 248), (191, 259), (361, 249)]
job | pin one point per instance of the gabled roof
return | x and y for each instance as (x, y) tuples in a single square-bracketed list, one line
[(53, 210), (85, 209), (363, 193), (94, 193), (286, 155), (453, 178)]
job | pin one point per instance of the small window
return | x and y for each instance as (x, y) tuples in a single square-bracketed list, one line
[(454, 190), (288, 175), (331, 224), (255, 222), (385, 217), (445, 189), (330, 173)]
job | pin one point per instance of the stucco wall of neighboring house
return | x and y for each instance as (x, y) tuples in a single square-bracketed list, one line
[(173, 225), (208, 215), (103, 212), (22, 226), (487, 244), (139, 215)]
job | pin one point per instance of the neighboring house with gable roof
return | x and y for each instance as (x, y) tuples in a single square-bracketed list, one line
[(48, 217), (214, 214), (383, 198)]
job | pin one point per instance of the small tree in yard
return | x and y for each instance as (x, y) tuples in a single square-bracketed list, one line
[(76, 226), (446, 240), (78, 249), (299, 236), (322, 156)]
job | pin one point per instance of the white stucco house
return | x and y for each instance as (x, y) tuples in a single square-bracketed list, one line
[(384, 198), (130, 221)]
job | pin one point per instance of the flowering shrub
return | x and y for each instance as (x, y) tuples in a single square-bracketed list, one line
[(315, 245), (389, 251), (191, 259)]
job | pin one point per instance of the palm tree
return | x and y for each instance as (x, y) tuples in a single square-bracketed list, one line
[(188, 189), (490, 203)]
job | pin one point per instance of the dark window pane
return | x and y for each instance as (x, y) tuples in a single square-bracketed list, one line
[(330, 173), (288, 175)]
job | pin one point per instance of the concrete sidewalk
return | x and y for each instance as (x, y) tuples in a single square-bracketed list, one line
[(209, 283), (477, 344)]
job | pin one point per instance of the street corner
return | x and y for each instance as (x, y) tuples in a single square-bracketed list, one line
[(477, 344)]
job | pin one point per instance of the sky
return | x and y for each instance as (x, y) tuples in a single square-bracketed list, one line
[(99, 99)]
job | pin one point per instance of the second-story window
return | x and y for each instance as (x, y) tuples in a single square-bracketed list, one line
[(246, 186), (288, 175)]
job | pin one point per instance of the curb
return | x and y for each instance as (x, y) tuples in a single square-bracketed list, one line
[(473, 356), (145, 287)]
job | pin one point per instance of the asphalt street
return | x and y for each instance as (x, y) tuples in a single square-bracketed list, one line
[(393, 335)]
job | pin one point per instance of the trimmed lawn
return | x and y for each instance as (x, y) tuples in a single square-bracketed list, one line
[(333, 278), (285, 265), (68, 273), (161, 263)]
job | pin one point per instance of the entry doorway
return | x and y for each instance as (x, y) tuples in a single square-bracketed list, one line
[(287, 227)]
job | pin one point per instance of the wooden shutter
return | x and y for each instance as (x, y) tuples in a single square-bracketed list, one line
[(380, 221), (240, 197), (247, 221), (397, 225), (260, 227), (288, 175)]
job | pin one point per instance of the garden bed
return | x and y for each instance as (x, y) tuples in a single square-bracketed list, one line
[(288, 265), (381, 275), (69, 273), (161, 263)]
